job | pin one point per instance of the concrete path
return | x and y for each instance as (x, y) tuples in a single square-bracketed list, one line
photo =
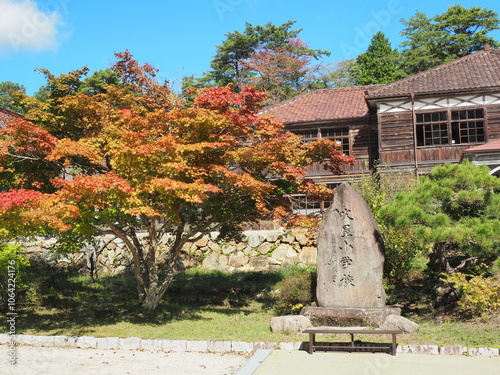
[(293, 362)]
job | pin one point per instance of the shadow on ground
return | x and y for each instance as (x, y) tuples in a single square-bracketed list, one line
[(62, 299)]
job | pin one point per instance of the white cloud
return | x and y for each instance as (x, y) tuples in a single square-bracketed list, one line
[(26, 26)]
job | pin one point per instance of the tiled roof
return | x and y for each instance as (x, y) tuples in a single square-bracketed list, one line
[(477, 71), (322, 105), (6, 115), (487, 147)]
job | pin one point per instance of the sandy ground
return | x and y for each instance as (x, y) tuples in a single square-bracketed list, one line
[(61, 361)]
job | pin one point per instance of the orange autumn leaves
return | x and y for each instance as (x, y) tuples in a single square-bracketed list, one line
[(135, 151)]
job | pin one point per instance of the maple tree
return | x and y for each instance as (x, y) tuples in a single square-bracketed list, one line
[(135, 159), (280, 70), (272, 57)]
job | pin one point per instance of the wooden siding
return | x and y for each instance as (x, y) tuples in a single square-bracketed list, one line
[(363, 144), (396, 140), (395, 131), (360, 166), (443, 153), (493, 122)]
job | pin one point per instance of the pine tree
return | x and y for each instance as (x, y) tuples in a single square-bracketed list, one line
[(379, 64)]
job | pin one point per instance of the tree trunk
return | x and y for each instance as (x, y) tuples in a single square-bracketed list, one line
[(149, 287), (151, 300), (444, 265)]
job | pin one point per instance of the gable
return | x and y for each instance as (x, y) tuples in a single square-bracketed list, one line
[(478, 72), (6, 115)]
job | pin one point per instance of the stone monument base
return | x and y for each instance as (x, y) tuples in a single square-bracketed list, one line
[(348, 316)]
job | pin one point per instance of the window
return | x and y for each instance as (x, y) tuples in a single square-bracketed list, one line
[(339, 135), (467, 126), (450, 127)]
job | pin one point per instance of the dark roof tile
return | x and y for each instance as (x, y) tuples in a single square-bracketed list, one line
[(322, 105), (477, 71)]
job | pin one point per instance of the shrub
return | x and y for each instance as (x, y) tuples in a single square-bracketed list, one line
[(295, 290), (12, 263), (402, 249), (479, 295)]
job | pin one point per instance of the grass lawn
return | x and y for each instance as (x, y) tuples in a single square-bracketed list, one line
[(200, 305)]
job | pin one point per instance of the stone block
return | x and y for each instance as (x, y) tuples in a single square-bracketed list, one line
[(255, 239), (108, 343), (265, 345), (302, 238), (308, 255), (215, 262), (150, 344), (217, 346), (229, 249), (202, 242), (483, 351), (259, 262), (288, 238), (273, 237), (290, 345), (290, 323), (4, 338), (172, 345), (284, 252), (265, 247), (197, 346), (452, 350), (395, 322), (65, 341), (129, 343), (241, 346), (214, 246), (423, 349), (42, 341), (24, 339), (86, 342), (238, 260)]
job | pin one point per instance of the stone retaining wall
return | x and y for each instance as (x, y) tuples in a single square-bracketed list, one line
[(259, 251), (212, 346)]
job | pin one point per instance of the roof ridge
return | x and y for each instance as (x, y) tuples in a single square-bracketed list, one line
[(314, 92), (435, 69), (9, 112)]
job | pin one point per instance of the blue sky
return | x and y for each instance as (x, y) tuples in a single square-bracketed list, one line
[(180, 37)]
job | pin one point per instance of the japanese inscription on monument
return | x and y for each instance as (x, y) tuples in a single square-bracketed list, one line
[(350, 254)]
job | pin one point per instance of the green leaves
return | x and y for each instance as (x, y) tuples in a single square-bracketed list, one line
[(458, 204), (445, 37), (379, 64)]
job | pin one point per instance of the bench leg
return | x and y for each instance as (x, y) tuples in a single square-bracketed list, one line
[(311, 343), (393, 344)]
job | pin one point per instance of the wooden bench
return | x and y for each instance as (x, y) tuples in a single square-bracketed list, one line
[(355, 331)]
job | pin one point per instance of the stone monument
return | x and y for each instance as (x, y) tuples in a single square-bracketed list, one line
[(350, 265)]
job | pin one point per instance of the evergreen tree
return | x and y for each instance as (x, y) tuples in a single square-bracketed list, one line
[(445, 37), (97, 82), (379, 64), (239, 60), (8, 91), (456, 210)]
